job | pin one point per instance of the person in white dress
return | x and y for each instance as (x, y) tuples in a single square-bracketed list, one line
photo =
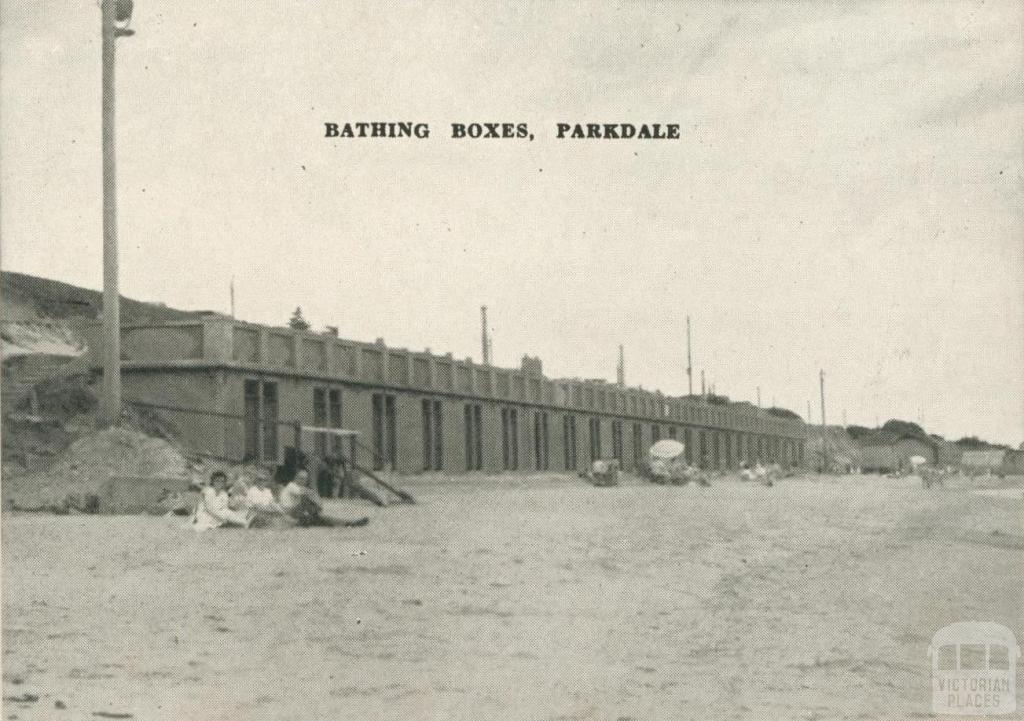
[(213, 510)]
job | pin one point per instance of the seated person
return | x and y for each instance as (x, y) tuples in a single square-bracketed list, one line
[(260, 497), (213, 510), (302, 504), (238, 493), (300, 501), (762, 474)]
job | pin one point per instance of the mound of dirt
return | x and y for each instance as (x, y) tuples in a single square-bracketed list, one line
[(93, 459), (118, 452)]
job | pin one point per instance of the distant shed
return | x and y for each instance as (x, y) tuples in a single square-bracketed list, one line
[(998, 461), (1013, 463), (985, 460), (888, 454)]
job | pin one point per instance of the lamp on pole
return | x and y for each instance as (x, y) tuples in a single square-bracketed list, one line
[(115, 16)]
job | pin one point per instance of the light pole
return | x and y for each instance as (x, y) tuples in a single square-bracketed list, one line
[(115, 16)]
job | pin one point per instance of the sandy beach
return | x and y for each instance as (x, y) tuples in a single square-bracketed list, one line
[(537, 599)]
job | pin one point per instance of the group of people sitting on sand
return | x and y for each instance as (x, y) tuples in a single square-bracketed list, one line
[(253, 501), (766, 475)]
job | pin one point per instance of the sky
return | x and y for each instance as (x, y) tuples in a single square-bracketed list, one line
[(846, 193)]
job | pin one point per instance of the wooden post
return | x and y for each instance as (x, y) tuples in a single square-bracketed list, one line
[(350, 472), (298, 442)]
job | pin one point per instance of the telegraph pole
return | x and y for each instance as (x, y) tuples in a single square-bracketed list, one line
[(485, 340), (821, 375), (824, 439), (621, 374), (689, 356)]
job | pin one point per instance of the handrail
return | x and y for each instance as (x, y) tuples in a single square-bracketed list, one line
[(372, 451), (406, 497), (214, 414)]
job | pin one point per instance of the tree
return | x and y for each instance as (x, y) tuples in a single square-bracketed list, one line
[(859, 431), (903, 428), (977, 444), (297, 322)]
